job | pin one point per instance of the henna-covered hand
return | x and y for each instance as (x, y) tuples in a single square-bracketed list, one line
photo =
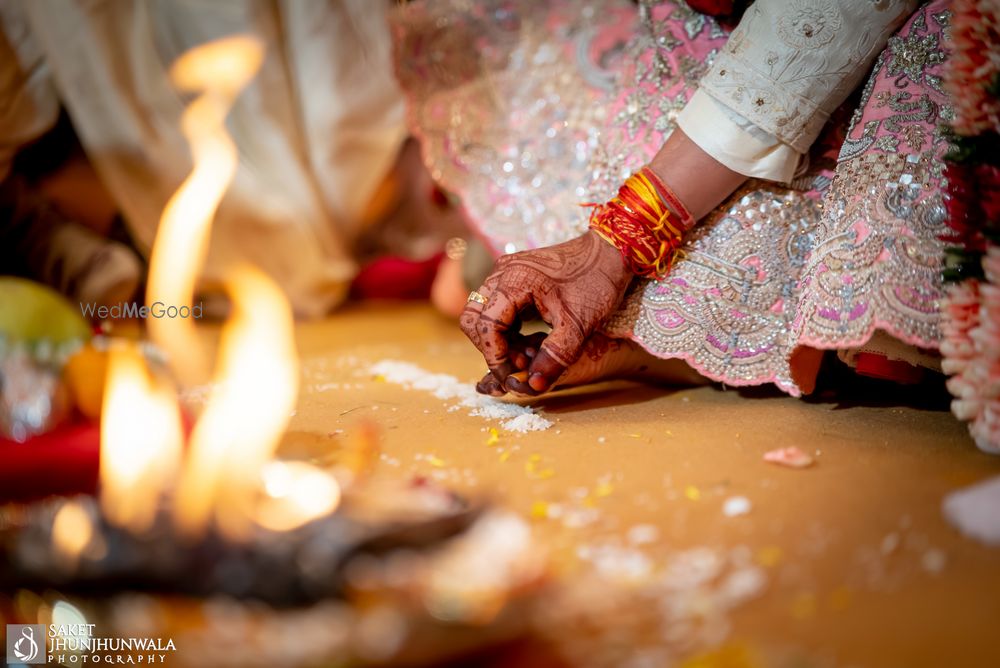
[(575, 286)]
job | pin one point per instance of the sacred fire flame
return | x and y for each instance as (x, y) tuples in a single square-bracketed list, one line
[(72, 530), (218, 71), (227, 479), (295, 492), (255, 388), (141, 440)]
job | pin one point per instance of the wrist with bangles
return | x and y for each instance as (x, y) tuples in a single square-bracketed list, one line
[(645, 221)]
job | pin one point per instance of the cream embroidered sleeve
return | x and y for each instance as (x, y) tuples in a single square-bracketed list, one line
[(789, 64)]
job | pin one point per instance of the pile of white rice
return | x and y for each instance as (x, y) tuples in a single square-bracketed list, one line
[(513, 416)]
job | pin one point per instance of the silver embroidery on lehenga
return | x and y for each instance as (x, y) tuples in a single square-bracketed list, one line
[(525, 128)]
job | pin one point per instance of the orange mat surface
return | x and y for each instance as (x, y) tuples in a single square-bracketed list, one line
[(859, 566)]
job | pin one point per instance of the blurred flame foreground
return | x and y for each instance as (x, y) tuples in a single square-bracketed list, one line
[(221, 482), (400, 572)]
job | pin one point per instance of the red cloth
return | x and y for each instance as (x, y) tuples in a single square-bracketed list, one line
[(63, 461), (396, 278), (712, 7), (880, 366), (727, 12)]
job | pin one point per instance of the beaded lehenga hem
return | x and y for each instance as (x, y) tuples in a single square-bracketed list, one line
[(850, 248)]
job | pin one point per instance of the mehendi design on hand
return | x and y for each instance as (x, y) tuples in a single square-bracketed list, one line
[(575, 286)]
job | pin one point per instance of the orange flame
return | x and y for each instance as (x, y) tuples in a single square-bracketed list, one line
[(140, 441), (72, 530), (219, 71), (256, 387), (226, 479), (293, 494)]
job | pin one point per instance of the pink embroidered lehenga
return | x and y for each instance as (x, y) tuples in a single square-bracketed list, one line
[(527, 110)]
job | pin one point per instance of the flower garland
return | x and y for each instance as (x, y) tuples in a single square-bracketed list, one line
[(971, 310)]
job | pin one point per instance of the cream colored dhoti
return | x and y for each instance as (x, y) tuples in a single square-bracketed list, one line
[(317, 130)]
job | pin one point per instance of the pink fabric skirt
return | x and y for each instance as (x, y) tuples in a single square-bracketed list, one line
[(528, 109)]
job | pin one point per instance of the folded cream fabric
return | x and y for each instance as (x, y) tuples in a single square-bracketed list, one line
[(317, 130)]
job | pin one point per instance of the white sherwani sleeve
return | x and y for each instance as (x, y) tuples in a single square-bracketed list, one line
[(784, 70)]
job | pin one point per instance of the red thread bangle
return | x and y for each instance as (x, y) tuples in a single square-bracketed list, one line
[(670, 199), (645, 221)]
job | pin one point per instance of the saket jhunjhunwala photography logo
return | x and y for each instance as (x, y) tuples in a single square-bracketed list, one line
[(79, 644)]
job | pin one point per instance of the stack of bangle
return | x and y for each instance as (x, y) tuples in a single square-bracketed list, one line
[(645, 221)]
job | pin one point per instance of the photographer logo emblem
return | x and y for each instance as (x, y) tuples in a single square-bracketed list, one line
[(26, 644)]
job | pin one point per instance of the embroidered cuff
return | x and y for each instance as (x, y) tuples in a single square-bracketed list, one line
[(735, 142)]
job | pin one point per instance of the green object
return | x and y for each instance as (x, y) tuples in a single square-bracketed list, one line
[(961, 264), (32, 312)]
